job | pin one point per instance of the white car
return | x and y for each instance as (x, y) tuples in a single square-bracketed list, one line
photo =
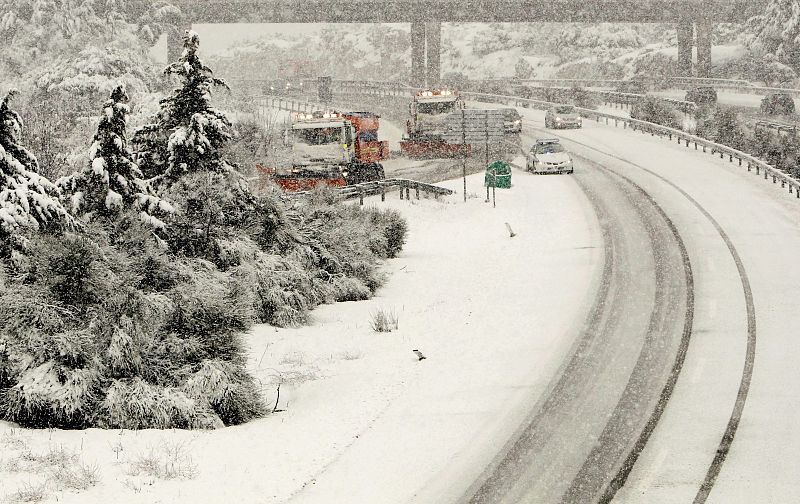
[(549, 156)]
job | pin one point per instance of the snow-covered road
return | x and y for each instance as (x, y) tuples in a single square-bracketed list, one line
[(724, 213)]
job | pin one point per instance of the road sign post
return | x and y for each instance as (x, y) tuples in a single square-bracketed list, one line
[(474, 126)]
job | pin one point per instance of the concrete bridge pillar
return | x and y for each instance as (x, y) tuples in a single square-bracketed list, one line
[(418, 54), (433, 38), (703, 29), (685, 36)]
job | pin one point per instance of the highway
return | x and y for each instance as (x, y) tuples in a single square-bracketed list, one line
[(580, 433), (680, 387)]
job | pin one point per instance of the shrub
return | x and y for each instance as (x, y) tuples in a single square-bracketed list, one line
[(703, 95), (580, 97), (657, 111), (777, 104), (395, 229), (383, 321)]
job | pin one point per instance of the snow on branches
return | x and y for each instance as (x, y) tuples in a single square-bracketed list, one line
[(187, 132), (27, 199), (112, 182), (776, 32)]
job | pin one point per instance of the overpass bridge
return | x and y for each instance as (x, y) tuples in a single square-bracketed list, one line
[(693, 18)]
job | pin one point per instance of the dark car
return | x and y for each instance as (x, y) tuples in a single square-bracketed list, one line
[(512, 121)]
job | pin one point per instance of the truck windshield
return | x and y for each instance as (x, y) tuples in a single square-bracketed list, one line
[(318, 136), (435, 108)]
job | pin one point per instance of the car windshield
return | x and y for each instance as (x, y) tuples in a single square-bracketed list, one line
[(550, 148), (565, 110), (511, 114), (436, 108)]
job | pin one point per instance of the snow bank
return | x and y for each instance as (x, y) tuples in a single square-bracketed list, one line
[(363, 420)]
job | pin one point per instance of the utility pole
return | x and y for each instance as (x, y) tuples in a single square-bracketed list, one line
[(464, 151)]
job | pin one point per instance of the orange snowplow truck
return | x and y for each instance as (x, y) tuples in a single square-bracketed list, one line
[(425, 129), (367, 146), (325, 151)]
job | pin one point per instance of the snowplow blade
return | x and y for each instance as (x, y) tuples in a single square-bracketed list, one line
[(433, 149)]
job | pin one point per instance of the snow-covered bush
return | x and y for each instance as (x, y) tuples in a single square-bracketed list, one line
[(84, 346), (395, 229), (724, 127), (655, 67), (27, 199), (776, 32), (654, 110), (777, 104)]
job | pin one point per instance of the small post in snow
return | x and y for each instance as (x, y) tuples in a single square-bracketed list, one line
[(511, 233)]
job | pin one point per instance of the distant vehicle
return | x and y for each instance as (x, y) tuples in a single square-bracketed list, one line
[(562, 116), (702, 95), (425, 129), (512, 121), (547, 155), (330, 148)]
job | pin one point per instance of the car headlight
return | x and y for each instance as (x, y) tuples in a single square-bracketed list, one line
[(558, 118)]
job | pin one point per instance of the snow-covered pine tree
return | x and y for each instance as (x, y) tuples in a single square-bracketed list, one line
[(112, 182), (776, 32), (27, 199), (187, 132), (182, 152)]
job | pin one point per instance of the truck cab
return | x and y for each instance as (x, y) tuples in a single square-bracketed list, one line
[(321, 139), (428, 110)]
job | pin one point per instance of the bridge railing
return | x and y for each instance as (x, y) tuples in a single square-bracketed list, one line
[(738, 85), (400, 90), (683, 138)]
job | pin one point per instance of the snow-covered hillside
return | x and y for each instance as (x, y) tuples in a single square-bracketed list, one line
[(477, 50)]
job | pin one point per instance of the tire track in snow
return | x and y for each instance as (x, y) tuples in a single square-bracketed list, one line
[(747, 372), (525, 469)]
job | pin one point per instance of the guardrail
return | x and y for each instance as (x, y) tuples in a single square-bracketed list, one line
[(290, 104), (364, 189), (778, 126), (647, 127), (741, 86)]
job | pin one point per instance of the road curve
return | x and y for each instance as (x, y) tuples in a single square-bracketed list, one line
[(582, 430)]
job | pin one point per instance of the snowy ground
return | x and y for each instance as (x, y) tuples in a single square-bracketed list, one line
[(363, 420)]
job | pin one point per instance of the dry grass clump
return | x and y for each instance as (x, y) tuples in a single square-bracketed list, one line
[(384, 321), (168, 461), (62, 470), (29, 492)]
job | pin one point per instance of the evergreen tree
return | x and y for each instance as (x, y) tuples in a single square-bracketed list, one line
[(182, 151), (188, 132), (27, 199), (776, 32), (112, 182)]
